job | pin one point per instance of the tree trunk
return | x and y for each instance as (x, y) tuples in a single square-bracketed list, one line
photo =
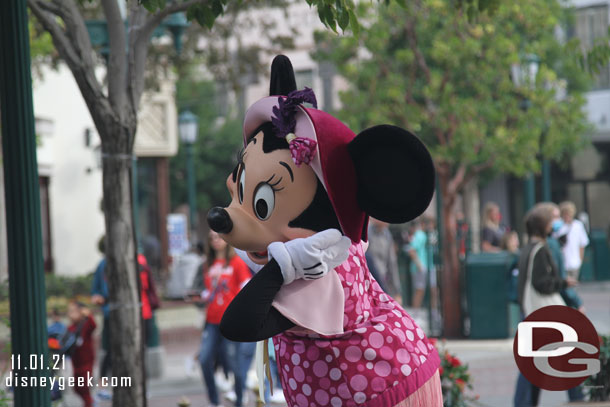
[(121, 273), (472, 213), (452, 315)]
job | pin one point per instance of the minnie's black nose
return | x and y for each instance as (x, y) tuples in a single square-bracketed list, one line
[(219, 220)]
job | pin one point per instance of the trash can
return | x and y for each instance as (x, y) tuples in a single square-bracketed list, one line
[(488, 280), (601, 254)]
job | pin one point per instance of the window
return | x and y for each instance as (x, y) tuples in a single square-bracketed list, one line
[(592, 23), (304, 78)]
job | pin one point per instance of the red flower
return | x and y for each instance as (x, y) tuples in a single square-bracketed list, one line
[(460, 384), (455, 362), (440, 371)]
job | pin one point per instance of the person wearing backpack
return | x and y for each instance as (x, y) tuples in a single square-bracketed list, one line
[(540, 282), (82, 351)]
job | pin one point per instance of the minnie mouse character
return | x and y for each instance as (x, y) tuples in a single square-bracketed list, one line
[(302, 192)]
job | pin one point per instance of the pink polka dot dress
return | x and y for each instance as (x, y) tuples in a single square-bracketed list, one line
[(381, 358)]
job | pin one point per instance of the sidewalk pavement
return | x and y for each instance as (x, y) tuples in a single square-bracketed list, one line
[(491, 363)]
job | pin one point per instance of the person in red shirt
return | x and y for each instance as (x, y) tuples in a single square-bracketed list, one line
[(82, 353), (225, 274)]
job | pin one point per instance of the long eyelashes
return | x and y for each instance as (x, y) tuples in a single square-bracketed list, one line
[(240, 161), (274, 184)]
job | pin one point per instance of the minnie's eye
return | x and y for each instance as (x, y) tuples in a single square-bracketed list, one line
[(264, 201), (241, 186)]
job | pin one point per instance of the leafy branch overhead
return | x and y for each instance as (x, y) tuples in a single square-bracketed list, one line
[(430, 68)]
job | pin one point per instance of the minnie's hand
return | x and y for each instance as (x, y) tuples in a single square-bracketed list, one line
[(312, 257)]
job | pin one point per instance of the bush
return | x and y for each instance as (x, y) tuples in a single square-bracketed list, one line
[(68, 287), (454, 379), (599, 384)]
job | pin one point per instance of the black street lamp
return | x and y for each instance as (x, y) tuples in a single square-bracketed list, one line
[(524, 76), (188, 127)]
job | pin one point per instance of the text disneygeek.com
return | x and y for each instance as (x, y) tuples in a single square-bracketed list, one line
[(60, 382)]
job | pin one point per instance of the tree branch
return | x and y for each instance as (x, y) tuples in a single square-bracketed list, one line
[(117, 61), (47, 6), (153, 21), (74, 48)]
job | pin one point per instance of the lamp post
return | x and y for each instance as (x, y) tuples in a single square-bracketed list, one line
[(524, 75), (188, 127)]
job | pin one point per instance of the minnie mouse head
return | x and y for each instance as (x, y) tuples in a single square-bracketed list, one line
[(303, 171)]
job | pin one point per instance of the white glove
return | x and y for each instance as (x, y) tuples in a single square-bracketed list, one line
[(312, 257), (252, 265)]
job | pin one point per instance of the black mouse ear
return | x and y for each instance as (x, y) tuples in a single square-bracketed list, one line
[(394, 171), (282, 76)]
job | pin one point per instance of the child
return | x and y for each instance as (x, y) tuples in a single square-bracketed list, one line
[(82, 353)]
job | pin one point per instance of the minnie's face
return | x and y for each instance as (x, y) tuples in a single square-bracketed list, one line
[(268, 191)]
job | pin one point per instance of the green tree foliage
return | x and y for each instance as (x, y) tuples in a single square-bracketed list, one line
[(427, 68), (432, 68), (214, 151)]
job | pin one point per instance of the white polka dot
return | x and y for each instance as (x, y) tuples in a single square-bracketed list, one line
[(422, 358), (360, 330), (397, 324), (406, 370), (397, 313), (307, 390), (369, 365), (410, 335), (292, 383), (286, 368), (361, 288), (329, 358), (296, 359), (335, 373), (359, 397), (389, 339), (420, 333), (395, 384), (379, 327), (306, 364), (366, 314), (383, 298), (336, 402), (370, 354), (357, 261)]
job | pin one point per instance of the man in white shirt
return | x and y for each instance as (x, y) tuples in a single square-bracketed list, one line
[(576, 239)]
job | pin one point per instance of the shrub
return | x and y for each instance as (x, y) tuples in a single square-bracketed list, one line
[(599, 384)]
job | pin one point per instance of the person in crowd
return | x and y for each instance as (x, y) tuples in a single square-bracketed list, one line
[(382, 251), (573, 238), (492, 232), (224, 275), (538, 278), (373, 270), (57, 328), (419, 253), (99, 297), (83, 352), (510, 242), (148, 297)]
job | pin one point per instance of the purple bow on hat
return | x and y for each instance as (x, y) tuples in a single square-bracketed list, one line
[(302, 149)]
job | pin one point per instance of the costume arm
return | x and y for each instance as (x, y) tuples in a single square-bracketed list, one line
[(250, 316)]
